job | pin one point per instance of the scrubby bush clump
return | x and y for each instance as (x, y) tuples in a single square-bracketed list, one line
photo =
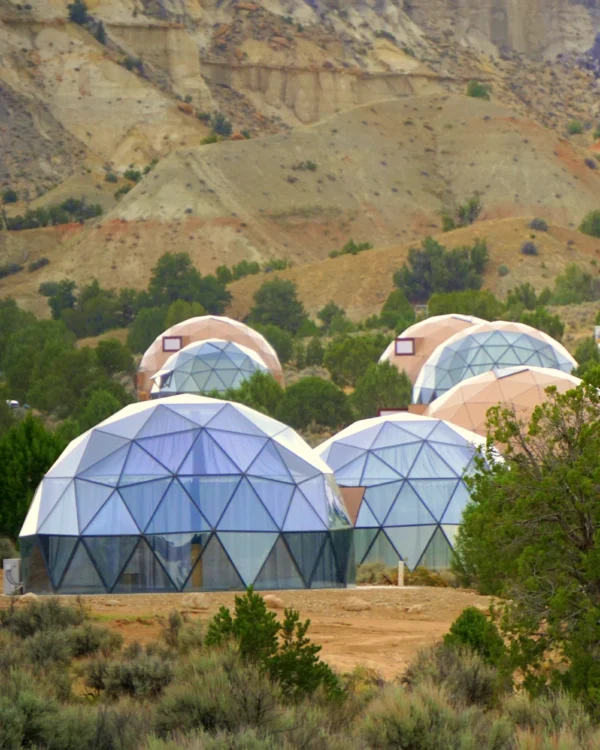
[(540, 225)]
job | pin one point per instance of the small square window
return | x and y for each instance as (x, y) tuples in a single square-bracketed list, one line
[(405, 347), (172, 343)]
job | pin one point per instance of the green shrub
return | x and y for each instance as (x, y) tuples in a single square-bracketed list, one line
[(111, 177), (101, 728), (540, 225), (40, 615), (591, 224), (351, 248), (203, 116), (88, 639), (574, 128), (313, 400), (142, 676), (503, 270), (37, 264), (47, 647), (78, 12), (209, 139), (314, 352), (134, 175), (10, 196), (133, 63), (221, 125), (478, 90), (468, 679), (552, 714), (377, 573), (473, 629), (8, 551), (529, 248)]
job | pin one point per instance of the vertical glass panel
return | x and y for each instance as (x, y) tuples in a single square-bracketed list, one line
[(176, 513), (206, 457), (301, 516), (326, 574), (110, 553), (343, 549), (165, 421), (410, 541), (435, 494), (113, 519), (381, 498), (365, 516), (143, 499), (275, 497), (241, 449), (438, 554), (248, 552), (81, 577), (57, 551), (305, 549), (143, 572), (90, 498), (99, 445), (269, 464), (382, 551), (408, 510), (362, 542), (178, 553), (109, 469), (63, 518), (33, 568), (210, 494), (214, 571), (279, 570), (245, 512), (170, 449)]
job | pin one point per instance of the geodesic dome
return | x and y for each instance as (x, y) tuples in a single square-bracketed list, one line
[(412, 468), (186, 494), (427, 335), (200, 329), (467, 403), (211, 365), (485, 347)]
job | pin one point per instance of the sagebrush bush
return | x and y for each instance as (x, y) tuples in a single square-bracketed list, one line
[(424, 577), (87, 639), (468, 679), (46, 647), (102, 728), (41, 615), (552, 714), (377, 573), (529, 248), (247, 739), (503, 270), (144, 676), (540, 225)]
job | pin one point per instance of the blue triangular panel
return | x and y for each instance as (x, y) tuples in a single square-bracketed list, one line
[(365, 517), (400, 457), (62, 520), (435, 494), (176, 514), (230, 418), (408, 510), (142, 499), (248, 552), (301, 517), (206, 457), (107, 471), (164, 421), (99, 445), (171, 449), (141, 466), (275, 497), (245, 512), (269, 464), (381, 498), (458, 503), (90, 498), (241, 449), (211, 494), (113, 519)]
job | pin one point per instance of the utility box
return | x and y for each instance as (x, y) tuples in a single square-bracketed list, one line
[(12, 576)]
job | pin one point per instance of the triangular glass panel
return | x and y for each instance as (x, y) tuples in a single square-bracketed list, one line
[(435, 494), (438, 554), (107, 471), (279, 570), (400, 457), (33, 567), (206, 457), (143, 573), (381, 498), (326, 574), (450, 531), (90, 498), (270, 465), (57, 551), (301, 516), (377, 470), (62, 520), (362, 542), (408, 510), (248, 551), (381, 550), (351, 474), (176, 513), (298, 467), (99, 445), (241, 449), (314, 490), (365, 516), (420, 428), (410, 542), (456, 456), (178, 553), (143, 499), (458, 503), (428, 464), (51, 490), (231, 419), (245, 512), (141, 467), (110, 553), (30, 525), (214, 383), (343, 550), (340, 454), (214, 571), (305, 549), (127, 426), (165, 421), (113, 519), (275, 497), (81, 576), (362, 438), (170, 449), (66, 465), (200, 414), (392, 434), (228, 377), (443, 433), (211, 494)]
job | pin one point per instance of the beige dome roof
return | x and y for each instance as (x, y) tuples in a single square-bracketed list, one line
[(428, 335), (467, 403), (200, 329)]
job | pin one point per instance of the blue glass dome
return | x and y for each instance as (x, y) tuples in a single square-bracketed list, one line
[(412, 468), (486, 347), (204, 366), (186, 494)]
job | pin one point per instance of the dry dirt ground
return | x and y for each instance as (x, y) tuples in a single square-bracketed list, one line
[(384, 637)]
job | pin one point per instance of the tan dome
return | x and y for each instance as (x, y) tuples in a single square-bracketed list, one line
[(428, 334), (200, 329), (467, 403)]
